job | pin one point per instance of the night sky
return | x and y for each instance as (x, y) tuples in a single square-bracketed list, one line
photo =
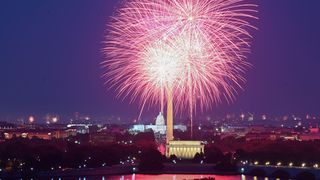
[(50, 53)]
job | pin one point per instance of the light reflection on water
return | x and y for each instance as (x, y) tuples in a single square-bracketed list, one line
[(175, 177), (158, 177)]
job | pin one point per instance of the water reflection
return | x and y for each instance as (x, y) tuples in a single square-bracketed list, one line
[(158, 177), (184, 177)]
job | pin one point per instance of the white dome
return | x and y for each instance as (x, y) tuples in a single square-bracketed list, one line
[(160, 120)]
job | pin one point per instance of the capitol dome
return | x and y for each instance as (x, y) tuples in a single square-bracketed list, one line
[(160, 120)]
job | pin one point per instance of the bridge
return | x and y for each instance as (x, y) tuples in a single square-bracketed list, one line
[(282, 172)]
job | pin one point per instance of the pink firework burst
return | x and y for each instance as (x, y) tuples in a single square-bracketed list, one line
[(193, 50)]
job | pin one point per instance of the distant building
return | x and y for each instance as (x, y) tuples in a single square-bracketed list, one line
[(236, 131), (160, 120), (184, 149), (6, 126), (80, 128), (159, 126), (309, 137), (36, 133)]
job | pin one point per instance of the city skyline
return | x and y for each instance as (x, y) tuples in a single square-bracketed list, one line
[(160, 89), (63, 76)]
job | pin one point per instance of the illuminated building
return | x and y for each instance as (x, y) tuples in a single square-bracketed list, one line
[(36, 133), (181, 149), (159, 126), (6, 126), (184, 149), (160, 120), (80, 128)]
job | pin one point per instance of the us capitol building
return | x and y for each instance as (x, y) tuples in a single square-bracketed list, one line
[(181, 149), (159, 127)]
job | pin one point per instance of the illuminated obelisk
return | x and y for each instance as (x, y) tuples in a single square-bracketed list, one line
[(181, 149), (169, 136)]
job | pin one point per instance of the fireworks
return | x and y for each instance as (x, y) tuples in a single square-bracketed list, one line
[(193, 50)]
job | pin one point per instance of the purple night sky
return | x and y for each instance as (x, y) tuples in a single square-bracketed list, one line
[(50, 55)]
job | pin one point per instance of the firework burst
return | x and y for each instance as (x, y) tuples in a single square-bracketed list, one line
[(192, 49)]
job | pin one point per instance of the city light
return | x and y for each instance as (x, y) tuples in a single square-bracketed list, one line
[(31, 119), (242, 170), (290, 164), (179, 67), (55, 119)]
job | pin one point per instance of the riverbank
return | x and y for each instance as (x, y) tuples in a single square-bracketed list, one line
[(121, 170), (188, 169)]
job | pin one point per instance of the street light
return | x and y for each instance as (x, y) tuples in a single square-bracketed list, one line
[(290, 164)]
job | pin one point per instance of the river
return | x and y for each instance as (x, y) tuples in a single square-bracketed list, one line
[(169, 177), (176, 177)]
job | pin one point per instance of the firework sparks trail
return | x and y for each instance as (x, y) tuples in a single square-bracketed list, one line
[(192, 48)]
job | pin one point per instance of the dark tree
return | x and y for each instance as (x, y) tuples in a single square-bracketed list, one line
[(151, 159)]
